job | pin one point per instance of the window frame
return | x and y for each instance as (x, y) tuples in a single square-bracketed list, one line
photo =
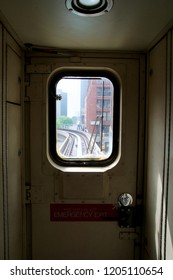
[(53, 156)]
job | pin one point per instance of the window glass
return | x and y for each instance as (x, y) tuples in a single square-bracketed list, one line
[(84, 115), (84, 120)]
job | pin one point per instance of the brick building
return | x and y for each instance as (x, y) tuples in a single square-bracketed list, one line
[(98, 108)]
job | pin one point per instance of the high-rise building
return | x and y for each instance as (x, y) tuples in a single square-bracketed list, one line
[(98, 109), (61, 106)]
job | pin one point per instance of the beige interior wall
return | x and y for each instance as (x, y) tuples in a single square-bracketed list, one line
[(1, 172), (156, 137), (14, 155), (158, 192), (169, 220), (11, 195)]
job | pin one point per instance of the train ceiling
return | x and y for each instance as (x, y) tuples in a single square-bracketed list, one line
[(129, 25)]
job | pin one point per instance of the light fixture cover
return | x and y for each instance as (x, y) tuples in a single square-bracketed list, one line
[(89, 7), (89, 3)]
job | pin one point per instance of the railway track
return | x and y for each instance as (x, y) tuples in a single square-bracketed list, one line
[(75, 144), (68, 145)]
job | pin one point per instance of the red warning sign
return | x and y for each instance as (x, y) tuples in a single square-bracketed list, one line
[(83, 212)]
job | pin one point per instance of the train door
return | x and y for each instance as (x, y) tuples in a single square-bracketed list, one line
[(65, 206)]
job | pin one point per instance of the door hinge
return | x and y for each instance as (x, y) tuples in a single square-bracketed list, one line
[(28, 194), (128, 235)]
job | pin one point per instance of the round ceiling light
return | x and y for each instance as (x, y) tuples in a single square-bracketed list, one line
[(89, 7)]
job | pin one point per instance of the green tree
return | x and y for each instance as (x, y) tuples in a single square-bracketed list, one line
[(64, 122)]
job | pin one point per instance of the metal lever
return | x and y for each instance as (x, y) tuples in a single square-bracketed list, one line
[(125, 199)]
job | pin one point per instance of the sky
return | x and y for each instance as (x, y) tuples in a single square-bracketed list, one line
[(72, 88)]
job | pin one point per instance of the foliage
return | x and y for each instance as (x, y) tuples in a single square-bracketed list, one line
[(64, 122)]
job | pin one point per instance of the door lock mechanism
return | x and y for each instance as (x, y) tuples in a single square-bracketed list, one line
[(129, 216), (125, 199)]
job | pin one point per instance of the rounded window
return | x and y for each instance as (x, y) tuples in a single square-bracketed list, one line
[(83, 118)]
